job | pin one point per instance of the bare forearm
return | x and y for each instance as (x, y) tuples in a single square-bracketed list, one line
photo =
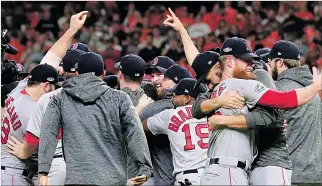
[(190, 49), (27, 151), (61, 46), (236, 122), (208, 106)]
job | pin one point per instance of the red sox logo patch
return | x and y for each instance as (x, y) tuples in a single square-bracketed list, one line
[(155, 61), (74, 46)]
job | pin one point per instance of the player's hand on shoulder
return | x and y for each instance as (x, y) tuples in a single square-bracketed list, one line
[(174, 22), (77, 21), (232, 100)]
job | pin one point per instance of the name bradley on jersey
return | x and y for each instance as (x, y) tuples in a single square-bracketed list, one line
[(177, 122), (16, 124)]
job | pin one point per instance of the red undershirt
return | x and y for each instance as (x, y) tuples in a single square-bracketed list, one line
[(34, 140), (279, 100)]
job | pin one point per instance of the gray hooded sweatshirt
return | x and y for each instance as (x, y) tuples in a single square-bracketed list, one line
[(100, 128), (304, 128)]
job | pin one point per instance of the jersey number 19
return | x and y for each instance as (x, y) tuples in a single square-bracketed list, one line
[(189, 145)]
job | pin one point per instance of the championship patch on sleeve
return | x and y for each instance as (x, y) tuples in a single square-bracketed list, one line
[(259, 88)]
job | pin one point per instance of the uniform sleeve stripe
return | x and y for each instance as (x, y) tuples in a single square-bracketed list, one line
[(31, 139)]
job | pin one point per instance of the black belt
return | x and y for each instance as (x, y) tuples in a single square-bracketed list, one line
[(58, 156), (190, 171), (240, 164), (25, 172)]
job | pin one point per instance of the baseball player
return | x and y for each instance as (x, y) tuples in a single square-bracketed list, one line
[(188, 136), (18, 109), (273, 159), (173, 75), (231, 164), (156, 70), (57, 172), (53, 57), (160, 145)]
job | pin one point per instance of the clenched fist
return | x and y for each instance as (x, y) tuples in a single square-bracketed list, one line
[(77, 21)]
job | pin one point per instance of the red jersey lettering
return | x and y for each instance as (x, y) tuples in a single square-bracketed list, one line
[(173, 127)]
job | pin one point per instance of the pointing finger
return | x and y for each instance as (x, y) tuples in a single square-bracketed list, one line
[(171, 12), (81, 13)]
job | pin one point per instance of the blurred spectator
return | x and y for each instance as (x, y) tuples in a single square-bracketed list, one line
[(213, 18), (149, 52), (115, 31), (173, 50), (47, 23), (199, 28)]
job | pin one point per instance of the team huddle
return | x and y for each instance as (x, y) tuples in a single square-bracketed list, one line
[(223, 125)]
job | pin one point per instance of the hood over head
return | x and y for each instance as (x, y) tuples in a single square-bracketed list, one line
[(86, 87)]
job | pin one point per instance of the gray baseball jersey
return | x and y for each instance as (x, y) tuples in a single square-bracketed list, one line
[(37, 116), (188, 137), (18, 109), (225, 142)]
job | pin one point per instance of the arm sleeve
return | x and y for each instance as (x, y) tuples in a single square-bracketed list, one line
[(251, 90), (34, 122), (49, 130), (134, 136), (51, 59), (263, 117), (196, 107), (157, 124)]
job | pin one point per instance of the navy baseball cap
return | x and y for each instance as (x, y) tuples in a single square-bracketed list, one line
[(90, 62), (79, 46), (44, 73), (131, 65), (111, 81), (70, 59), (176, 73), (161, 64), (239, 48), (263, 53), (203, 63), (187, 86), (285, 50)]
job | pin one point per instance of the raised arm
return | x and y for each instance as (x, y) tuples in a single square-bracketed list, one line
[(293, 98), (190, 49), (58, 50)]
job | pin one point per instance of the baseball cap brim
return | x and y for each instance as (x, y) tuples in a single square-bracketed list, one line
[(249, 56), (172, 90), (149, 70), (200, 80), (267, 55)]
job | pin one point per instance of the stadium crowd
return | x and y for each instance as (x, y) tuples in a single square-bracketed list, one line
[(115, 29), (119, 94)]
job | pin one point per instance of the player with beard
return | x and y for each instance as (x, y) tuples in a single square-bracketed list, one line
[(304, 130), (273, 159), (229, 166)]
